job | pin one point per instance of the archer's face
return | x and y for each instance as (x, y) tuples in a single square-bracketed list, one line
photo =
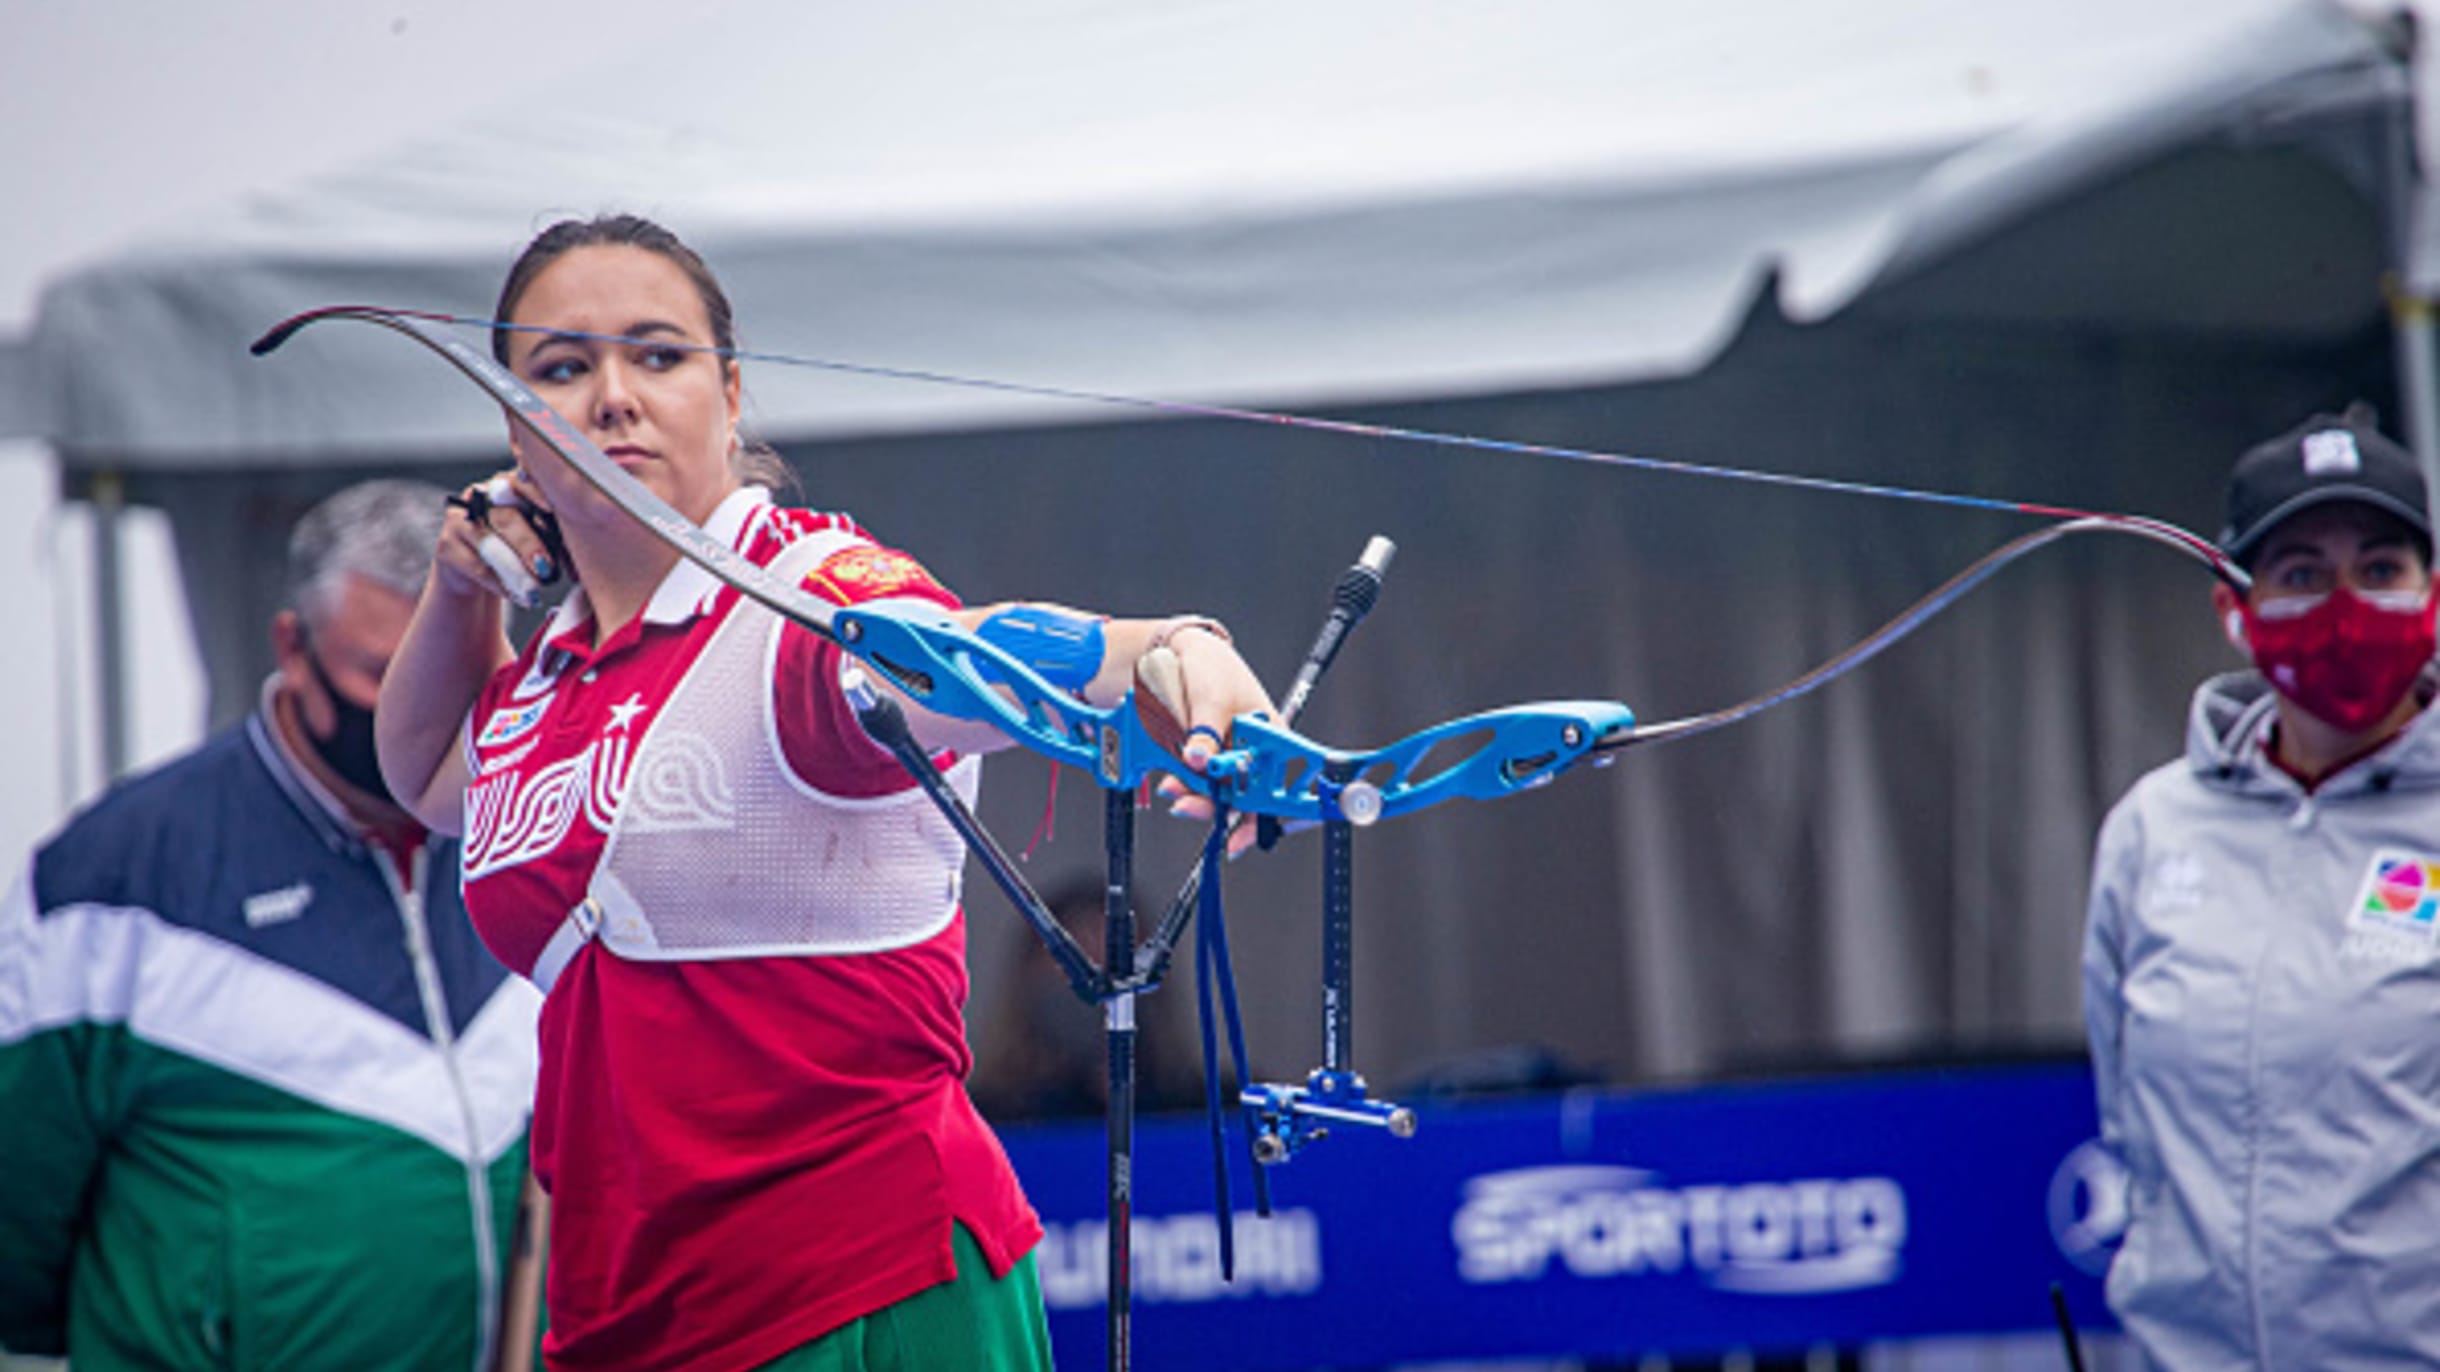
[(665, 413)]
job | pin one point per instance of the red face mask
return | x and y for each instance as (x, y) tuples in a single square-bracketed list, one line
[(2345, 658)]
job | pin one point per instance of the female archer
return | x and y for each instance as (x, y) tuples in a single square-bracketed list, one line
[(751, 1117)]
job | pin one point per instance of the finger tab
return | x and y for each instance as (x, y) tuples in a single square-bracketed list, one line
[(514, 578)]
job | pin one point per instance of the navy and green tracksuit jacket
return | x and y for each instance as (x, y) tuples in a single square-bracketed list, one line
[(264, 1102)]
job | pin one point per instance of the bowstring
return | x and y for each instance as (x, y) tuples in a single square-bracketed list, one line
[(2172, 535)]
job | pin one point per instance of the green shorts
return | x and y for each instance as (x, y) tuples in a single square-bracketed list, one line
[(973, 1323)]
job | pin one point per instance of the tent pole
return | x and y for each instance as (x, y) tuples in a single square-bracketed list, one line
[(108, 493), (2409, 288), (2410, 317)]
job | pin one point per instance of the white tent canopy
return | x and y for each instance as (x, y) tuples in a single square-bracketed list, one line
[(1287, 203)]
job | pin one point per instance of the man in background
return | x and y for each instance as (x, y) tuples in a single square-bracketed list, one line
[(265, 1092)]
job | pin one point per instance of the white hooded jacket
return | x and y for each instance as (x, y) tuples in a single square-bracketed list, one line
[(2262, 995)]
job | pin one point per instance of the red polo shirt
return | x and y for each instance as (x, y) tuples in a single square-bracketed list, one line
[(741, 1155)]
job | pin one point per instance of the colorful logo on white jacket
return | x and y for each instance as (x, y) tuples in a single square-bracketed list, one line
[(2401, 894)]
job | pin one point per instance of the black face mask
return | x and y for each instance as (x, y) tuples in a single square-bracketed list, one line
[(349, 750)]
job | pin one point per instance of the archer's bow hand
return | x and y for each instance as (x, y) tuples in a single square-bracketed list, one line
[(1190, 687)]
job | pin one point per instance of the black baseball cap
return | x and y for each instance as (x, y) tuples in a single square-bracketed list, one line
[(2328, 457)]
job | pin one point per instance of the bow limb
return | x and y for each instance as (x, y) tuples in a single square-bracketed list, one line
[(528, 411), (1915, 616)]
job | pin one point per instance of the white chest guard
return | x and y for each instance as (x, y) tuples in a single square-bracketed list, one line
[(719, 850)]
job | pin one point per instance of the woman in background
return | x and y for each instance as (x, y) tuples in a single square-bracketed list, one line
[(2261, 976)]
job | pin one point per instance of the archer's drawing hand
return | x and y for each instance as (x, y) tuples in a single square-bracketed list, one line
[(485, 551)]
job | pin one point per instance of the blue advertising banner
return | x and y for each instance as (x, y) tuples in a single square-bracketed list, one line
[(1607, 1223)]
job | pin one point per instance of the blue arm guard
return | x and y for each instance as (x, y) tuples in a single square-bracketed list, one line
[(1064, 649)]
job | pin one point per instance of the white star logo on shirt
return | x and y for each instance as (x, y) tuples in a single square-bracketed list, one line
[(624, 713)]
